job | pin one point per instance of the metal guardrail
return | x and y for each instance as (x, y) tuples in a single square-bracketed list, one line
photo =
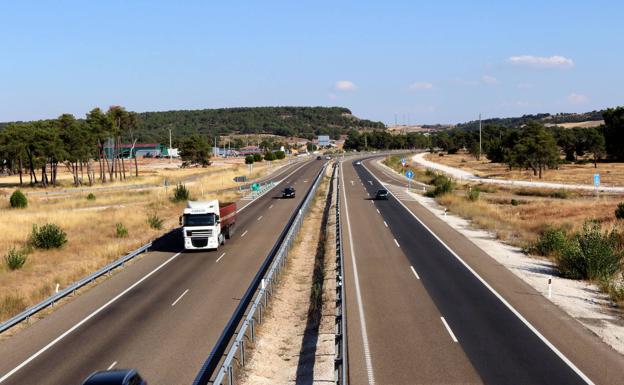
[(264, 188), (26, 314), (257, 295), (341, 366)]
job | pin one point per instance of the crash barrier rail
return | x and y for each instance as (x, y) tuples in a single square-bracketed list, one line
[(257, 295), (50, 301), (340, 361)]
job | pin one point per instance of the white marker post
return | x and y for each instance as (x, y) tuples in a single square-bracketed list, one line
[(549, 287), (57, 287)]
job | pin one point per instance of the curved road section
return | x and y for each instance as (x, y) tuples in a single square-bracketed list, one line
[(426, 306), (160, 315)]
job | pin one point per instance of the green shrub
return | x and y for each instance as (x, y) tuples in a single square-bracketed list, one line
[(15, 259), (181, 193), (619, 211), (443, 185), (120, 230), (472, 194), (614, 288), (249, 159), (154, 221), (91, 197), (280, 154), (48, 236), (257, 157), (559, 194), (591, 254), (551, 241), (18, 200), (515, 202), (269, 156)]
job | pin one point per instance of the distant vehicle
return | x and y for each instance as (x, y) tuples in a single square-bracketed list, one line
[(358, 163), (115, 377), (289, 192), (381, 194), (318, 157), (206, 225), (328, 157)]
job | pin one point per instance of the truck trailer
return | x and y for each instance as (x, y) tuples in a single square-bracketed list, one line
[(206, 225)]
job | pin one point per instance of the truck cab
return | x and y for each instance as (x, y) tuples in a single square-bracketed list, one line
[(206, 225)]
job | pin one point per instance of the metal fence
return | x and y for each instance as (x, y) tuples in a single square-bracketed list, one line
[(341, 359), (26, 314), (234, 338)]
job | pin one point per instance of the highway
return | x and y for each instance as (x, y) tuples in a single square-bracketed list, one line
[(426, 306), (160, 315)]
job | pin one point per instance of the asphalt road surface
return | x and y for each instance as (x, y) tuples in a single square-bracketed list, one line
[(160, 315), (435, 309)]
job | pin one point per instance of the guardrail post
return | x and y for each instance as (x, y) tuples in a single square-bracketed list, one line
[(230, 375), (242, 352)]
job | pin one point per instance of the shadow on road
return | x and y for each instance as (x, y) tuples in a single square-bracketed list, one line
[(171, 242)]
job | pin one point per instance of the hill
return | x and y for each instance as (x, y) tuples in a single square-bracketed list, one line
[(546, 118), (285, 121)]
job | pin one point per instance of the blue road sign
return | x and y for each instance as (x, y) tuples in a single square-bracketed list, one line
[(596, 180), (409, 174)]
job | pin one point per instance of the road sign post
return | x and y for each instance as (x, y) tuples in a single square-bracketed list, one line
[(409, 174)]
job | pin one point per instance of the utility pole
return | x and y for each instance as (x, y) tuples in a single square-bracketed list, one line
[(480, 137), (170, 146)]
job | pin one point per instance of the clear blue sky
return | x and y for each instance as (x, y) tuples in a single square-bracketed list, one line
[(434, 62)]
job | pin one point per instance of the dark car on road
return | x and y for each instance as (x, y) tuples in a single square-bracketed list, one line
[(115, 377), (381, 194), (288, 192), (318, 157)]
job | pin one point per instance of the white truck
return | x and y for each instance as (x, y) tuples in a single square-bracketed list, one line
[(206, 225)]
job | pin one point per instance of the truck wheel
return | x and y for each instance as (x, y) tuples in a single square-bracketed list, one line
[(229, 231)]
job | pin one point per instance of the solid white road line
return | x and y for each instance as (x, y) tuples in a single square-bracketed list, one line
[(397, 243), (414, 271), (112, 365), (84, 320), (180, 297), (448, 329), (218, 259), (367, 354), (497, 295), (260, 217), (243, 234), (385, 224)]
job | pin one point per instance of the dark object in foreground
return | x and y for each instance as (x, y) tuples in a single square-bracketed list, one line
[(381, 194), (288, 192), (115, 377)]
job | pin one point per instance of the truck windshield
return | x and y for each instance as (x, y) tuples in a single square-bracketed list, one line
[(199, 219)]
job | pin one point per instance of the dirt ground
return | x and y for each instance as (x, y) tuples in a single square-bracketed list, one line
[(611, 174), (285, 351)]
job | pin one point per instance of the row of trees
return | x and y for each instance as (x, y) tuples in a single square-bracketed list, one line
[(380, 139), (38, 148)]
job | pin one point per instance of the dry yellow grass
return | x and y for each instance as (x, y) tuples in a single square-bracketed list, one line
[(520, 225), (610, 173), (90, 228)]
